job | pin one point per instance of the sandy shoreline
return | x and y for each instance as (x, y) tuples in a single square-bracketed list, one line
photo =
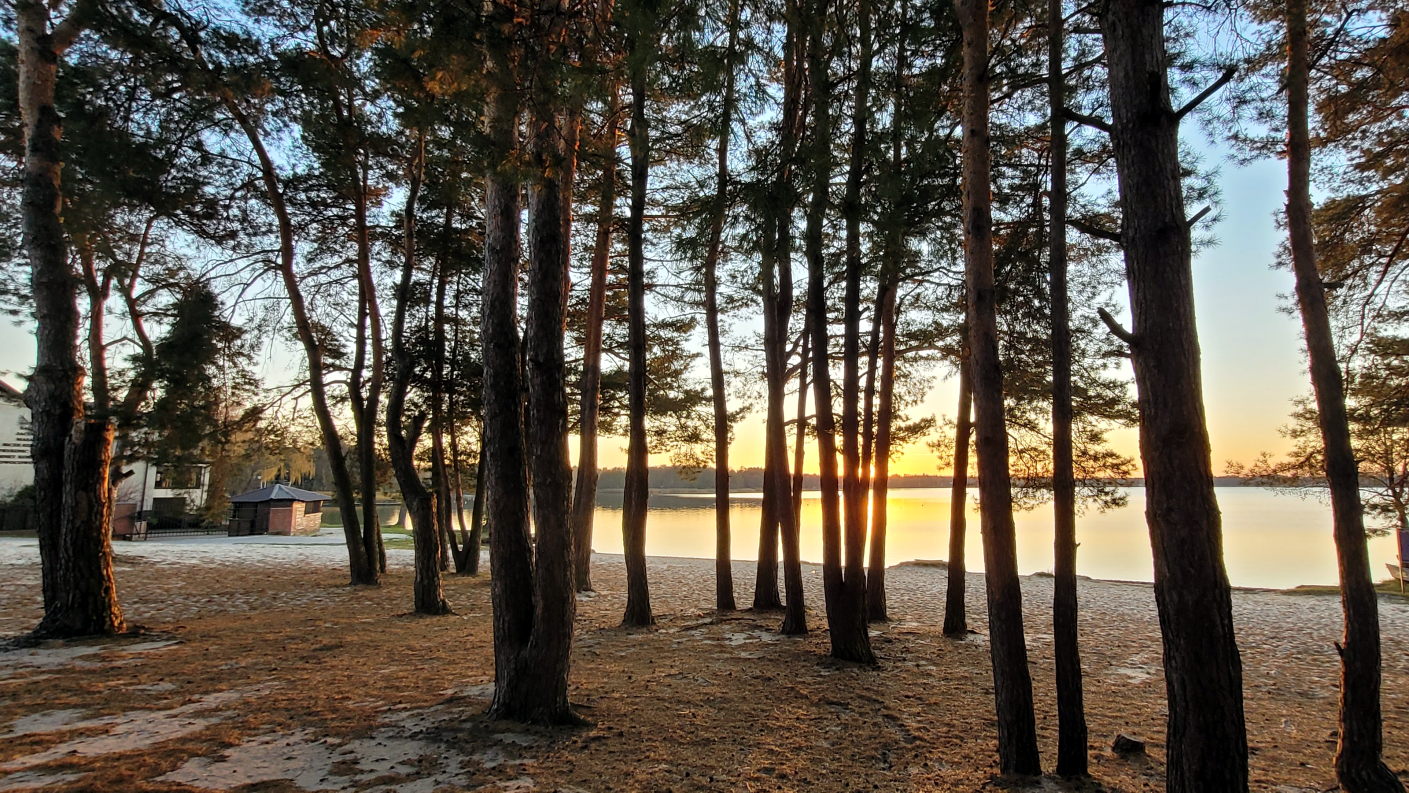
[(272, 656)]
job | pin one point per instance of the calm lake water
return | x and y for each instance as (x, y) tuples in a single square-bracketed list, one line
[(1272, 538)]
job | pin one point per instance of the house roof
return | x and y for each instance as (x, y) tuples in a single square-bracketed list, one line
[(8, 391), (278, 492)]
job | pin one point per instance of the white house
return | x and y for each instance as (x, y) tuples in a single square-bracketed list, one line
[(16, 470), (163, 489)]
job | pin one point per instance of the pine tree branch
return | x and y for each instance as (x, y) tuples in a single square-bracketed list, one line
[(1222, 80), (1115, 327), (1091, 229), (67, 31), (1090, 121)]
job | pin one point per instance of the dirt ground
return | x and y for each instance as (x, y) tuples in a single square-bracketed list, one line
[(265, 672)]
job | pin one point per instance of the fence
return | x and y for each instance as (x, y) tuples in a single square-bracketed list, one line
[(16, 517)]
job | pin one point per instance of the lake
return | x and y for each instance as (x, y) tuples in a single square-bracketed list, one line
[(1272, 538)]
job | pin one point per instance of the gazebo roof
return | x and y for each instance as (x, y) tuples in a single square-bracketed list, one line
[(278, 492)]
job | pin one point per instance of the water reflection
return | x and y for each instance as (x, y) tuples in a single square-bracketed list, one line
[(1271, 538)]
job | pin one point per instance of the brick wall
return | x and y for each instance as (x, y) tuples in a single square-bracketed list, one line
[(308, 523), (283, 517)]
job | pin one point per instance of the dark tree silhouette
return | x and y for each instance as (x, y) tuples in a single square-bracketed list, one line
[(1207, 739), (1012, 683), (1359, 764)]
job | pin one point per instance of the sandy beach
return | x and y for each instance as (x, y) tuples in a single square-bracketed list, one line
[(262, 671)]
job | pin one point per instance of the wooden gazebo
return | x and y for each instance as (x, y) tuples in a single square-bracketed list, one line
[(276, 509)]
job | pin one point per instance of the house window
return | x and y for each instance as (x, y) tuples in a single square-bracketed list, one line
[(178, 478), (312, 507)]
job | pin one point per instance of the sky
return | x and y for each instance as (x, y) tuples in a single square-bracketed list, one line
[(1252, 349)]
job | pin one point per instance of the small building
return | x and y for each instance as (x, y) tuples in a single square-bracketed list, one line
[(276, 509)]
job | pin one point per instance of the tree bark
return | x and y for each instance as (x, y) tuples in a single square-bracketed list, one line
[(70, 453), (868, 395), (854, 481), (370, 399), (1012, 683), (547, 421), (883, 342), (800, 432), (533, 601), (778, 309), (880, 483), (1071, 709), (784, 515), (844, 587), (87, 604), (440, 473), (476, 540), (503, 456), (427, 593), (584, 493), (723, 563), (466, 551), (777, 297), (956, 621), (365, 396), (766, 595), (1207, 740), (637, 486), (1360, 766)]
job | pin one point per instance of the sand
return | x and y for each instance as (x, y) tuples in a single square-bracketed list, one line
[(264, 672)]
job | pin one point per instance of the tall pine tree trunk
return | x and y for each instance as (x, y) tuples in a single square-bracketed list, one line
[(1359, 764), (427, 593), (1071, 710), (800, 431), (70, 453), (766, 594), (465, 552), (883, 345), (777, 287), (1207, 740), (440, 469), (723, 563), (637, 486), (843, 562), (531, 587), (546, 427), (368, 395), (503, 456), (87, 604), (584, 493), (476, 540), (956, 621), (854, 481), (1012, 683), (880, 486), (783, 515)]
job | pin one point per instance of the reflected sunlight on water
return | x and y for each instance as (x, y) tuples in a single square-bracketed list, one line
[(1271, 538)]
